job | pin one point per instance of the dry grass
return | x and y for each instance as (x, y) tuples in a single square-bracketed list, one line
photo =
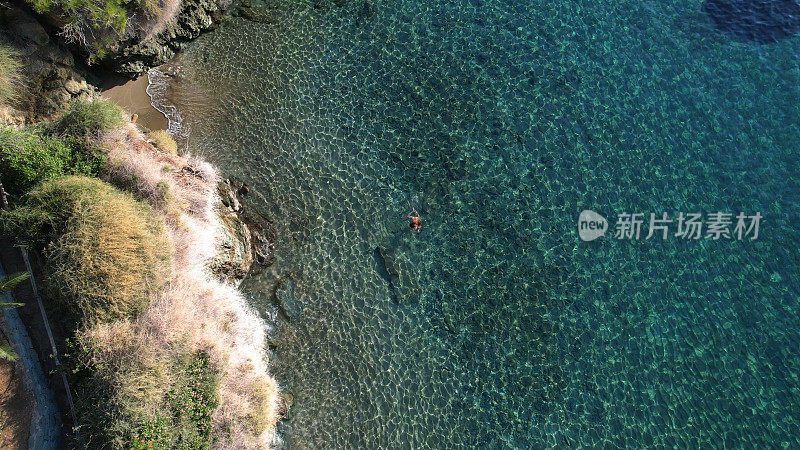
[(108, 253), (109, 260), (9, 74), (137, 371), (196, 309), (163, 141), (263, 412)]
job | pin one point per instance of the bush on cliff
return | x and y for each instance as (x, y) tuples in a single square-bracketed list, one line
[(106, 253), (164, 141), (27, 158), (67, 146), (132, 396), (88, 119), (184, 421), (90, 23)]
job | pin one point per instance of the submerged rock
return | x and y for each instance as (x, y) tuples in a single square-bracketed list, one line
[(288, 296), (259, 12), (390, 266), (394, 267)]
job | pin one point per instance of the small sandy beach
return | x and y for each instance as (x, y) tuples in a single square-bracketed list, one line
[(132, 96)]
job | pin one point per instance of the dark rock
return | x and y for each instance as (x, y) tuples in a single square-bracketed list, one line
[(26, 28), (395, 268), (262, 231), (229, 196), (390, 264), (246, 236), (381, 257), (264, 248), (258, 12), (288, 295), (131, 57), (272, 332), (235, 254), (287, 401)]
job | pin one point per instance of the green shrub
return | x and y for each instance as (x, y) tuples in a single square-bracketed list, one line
[(164, 141), (98, 14), (184, 421), (9, 74), (27, 158), (127, 401), (86, 119), (105, 252)]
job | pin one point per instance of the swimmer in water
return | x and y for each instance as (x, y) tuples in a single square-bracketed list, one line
[(416, 221)]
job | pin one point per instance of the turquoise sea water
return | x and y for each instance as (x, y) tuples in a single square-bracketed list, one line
[(500, 122)]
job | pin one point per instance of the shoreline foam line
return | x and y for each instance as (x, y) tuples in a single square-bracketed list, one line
[(157, 91)]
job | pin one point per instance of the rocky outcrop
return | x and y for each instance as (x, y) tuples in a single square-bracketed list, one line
[(234, 256), (50, 78), (132, 57), (246, 237), (141, 48)]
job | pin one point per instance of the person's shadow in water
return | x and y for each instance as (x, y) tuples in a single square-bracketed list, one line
[(761, 21)]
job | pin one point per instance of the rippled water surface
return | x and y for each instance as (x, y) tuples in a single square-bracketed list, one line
[(500, 121)]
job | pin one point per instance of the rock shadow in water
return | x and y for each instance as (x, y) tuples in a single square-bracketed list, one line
[(761, 21)]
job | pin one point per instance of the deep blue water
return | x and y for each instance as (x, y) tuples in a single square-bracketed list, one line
[(500, 122)]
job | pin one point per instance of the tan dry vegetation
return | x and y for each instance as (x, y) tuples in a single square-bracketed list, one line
[(107, 253), (163, 141), (112, 255), (197, 309), (135, 368), (9, 74)]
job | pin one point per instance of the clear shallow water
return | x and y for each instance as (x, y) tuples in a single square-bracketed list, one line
[(500, 122)]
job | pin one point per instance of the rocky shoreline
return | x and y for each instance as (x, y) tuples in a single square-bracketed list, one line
[(54, 72), (51, 79), (54, 77)]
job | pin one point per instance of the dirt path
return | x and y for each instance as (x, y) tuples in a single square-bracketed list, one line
[(15, 409)]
